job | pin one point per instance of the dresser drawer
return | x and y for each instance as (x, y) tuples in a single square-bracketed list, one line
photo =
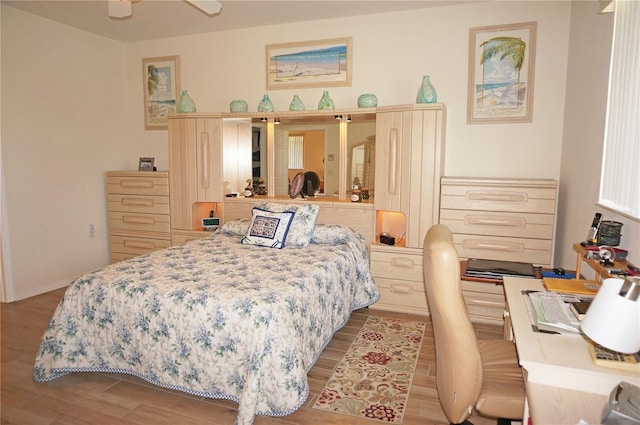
[(508, 196), (180, 237), (138, 183), (536, 251), (139, 203), (137, 245), (523, 225), (119, 221), (397, 265), (401, 296)]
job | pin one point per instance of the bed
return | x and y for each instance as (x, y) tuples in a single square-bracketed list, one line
[(219, 317)]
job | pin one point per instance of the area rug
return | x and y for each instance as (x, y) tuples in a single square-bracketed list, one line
[(374, 377)]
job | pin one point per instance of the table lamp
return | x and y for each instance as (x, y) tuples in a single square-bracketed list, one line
[(613, 318)]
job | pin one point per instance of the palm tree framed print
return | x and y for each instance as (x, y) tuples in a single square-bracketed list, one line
[(161, 85), (501, 73)]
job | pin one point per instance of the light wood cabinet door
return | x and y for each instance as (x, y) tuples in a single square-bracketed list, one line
[(409, 164), (195, 165)]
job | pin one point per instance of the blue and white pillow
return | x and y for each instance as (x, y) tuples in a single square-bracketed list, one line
[(303, 224), (268, 228)]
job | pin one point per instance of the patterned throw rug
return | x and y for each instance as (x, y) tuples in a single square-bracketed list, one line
[(374, 377)]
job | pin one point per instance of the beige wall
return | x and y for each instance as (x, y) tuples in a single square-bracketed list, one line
[(589, 53), (72, 109), (64, 123)]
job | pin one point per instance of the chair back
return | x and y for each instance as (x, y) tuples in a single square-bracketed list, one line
[(458, 362)]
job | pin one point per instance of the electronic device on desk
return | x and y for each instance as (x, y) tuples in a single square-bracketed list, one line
[(211, 224), (592, 235), (497, 269), (623, 407), (609, 358)]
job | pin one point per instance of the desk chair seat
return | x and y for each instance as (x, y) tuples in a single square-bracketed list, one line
[(471, 374)]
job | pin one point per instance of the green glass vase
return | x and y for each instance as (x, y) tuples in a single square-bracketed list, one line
[(186, 104), (426, 92)]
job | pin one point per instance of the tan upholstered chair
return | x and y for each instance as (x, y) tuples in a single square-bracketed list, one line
[(470, 374)]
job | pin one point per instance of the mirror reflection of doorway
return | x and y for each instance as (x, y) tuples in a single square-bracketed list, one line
[(312, 157)]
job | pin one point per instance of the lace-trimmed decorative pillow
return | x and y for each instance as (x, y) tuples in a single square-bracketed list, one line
[(303, 224), (268, 229)]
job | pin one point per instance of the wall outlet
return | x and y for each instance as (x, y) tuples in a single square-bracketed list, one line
[(92, 230)]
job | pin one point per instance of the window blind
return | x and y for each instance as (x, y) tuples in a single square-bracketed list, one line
[(620, 178), (296, 152)]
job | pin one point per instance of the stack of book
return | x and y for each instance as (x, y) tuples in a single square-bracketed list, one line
[(496, 269)]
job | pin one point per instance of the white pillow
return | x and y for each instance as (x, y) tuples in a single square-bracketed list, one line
[(303, 224), (268, 228)]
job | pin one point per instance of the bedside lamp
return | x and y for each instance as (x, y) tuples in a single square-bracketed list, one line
[(613, 318)]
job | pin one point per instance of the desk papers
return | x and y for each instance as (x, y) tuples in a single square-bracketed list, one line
[(549, 312)]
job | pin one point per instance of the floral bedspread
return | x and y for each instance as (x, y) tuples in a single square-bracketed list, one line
[(214, 318)]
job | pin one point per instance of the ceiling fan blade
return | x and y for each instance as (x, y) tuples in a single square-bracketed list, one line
[(119, 8), (210, 7)]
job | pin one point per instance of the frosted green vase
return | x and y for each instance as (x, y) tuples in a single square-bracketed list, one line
[(426, 92), (296, 104), (186, 104), (265, 104), (326, 102)]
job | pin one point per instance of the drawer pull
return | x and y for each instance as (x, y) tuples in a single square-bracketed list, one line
[(402, 262), (137, 202), (136, 183), (493, 246), (514, 197), (137, 220), (399, 288), (139, 244), (490, 303), (477, 220)]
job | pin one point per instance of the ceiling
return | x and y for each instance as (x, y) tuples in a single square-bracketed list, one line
[(154, 19)]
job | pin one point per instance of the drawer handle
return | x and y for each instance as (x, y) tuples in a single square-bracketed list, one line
[(476, 220), (400, 288), (402, 262), (515, 197), (137, 220), (493, 246), (137, 202), (137, 184), (139, 244), (491, 303)]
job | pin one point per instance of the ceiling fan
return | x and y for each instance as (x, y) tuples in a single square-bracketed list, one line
[(122, 8)]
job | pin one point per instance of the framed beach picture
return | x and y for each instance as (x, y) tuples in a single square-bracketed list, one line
[(320, 63), (161, 77), (501, 73)]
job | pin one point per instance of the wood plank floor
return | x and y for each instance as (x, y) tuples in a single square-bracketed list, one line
[(95, 398)]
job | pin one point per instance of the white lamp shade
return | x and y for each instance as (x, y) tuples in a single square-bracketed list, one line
[(613, 320)]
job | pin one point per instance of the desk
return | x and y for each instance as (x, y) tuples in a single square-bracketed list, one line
[(562, 382), (601, 271)]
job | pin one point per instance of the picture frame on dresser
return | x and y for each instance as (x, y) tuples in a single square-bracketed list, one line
[(501, 73), (145, 164), (161, 87)]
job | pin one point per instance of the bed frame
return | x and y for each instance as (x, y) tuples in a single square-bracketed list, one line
[(359, 216)]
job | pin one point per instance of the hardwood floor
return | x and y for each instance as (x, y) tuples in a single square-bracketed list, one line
[(95, 398)]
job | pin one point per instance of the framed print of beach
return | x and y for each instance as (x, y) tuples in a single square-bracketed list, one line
[(501, 71), (161, 87), (320, 63)]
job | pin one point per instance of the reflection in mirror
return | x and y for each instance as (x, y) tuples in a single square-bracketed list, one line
[(361, 148), (259, 157), (314, 141)]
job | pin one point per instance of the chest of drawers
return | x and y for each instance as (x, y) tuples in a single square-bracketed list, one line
[(398, 275), (138, 212), (501, 219)]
